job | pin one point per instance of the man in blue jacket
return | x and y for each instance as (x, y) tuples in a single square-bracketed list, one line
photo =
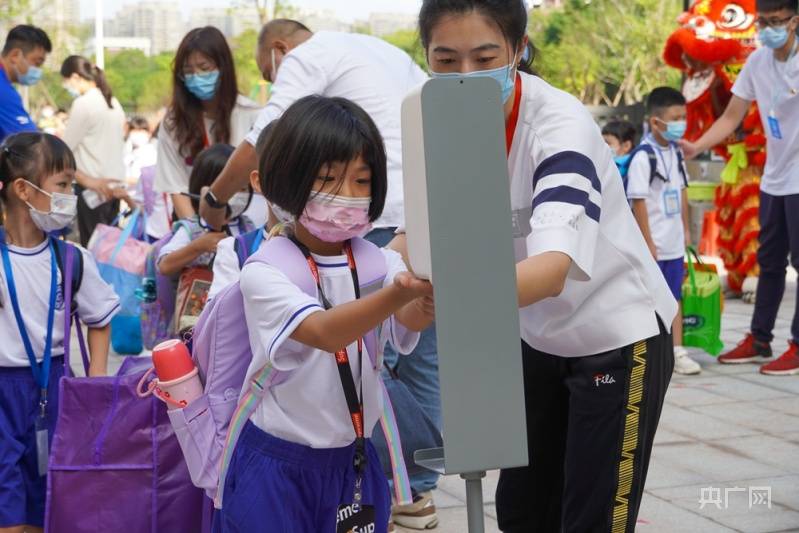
[(21, 60)]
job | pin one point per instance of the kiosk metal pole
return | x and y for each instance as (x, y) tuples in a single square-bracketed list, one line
[(474, 501)]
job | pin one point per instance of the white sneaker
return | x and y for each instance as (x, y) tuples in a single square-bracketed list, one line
[(421, 514), (683, 364)]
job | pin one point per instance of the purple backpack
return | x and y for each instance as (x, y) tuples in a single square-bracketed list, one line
[(209, 427)]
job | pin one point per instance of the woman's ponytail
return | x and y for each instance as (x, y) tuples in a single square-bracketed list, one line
[(102, 84)]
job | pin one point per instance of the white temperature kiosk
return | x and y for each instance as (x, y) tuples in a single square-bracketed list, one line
[(459, 229)]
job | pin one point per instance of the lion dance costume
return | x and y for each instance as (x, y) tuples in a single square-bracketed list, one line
[(711, 46)]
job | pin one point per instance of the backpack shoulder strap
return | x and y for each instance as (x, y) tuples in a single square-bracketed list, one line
[(371, 264), (246, 244), (650, 154), (284, 255), (61, 247), (681, 166)]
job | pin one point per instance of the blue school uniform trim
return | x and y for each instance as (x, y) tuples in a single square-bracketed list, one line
[(569, 195), (568, 162), (105, 317), (288, 323)]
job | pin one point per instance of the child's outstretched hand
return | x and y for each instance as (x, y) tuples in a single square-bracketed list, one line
[(417, 287), (208, 242)]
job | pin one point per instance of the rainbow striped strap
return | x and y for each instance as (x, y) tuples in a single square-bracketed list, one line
[(245, 409), (399, 472)]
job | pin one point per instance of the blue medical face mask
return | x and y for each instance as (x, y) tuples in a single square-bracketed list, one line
[(622, 160), (203, 86), (675, 130), (505, 76), (31, 77), (773, 38)]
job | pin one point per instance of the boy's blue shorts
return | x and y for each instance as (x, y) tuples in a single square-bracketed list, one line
[(274, 486), (22, 489), (674, 272)]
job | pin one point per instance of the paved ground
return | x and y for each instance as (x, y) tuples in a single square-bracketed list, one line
[(728, 428)]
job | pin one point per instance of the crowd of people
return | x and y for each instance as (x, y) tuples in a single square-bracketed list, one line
[(600, 233)]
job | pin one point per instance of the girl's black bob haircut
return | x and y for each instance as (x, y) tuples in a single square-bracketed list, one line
[(314, 132), (207, 166)]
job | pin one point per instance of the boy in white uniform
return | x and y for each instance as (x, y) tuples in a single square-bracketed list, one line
[(660, 202)]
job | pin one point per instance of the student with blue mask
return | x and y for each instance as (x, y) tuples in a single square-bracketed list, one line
[(25, 50), (620, 136), (656, 186), (770, 78), (206, 109)]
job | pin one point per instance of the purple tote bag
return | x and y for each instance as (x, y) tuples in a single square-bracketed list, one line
[(115, 464)]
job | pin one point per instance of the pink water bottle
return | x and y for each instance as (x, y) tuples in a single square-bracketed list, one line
[(177, 381)]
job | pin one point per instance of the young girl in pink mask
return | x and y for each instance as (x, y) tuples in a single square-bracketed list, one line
[(304, 458)]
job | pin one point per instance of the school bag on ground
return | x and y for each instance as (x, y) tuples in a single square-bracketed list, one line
[(121, 258), (701, 305), (208, 428)]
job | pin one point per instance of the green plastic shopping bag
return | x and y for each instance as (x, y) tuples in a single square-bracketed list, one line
[(701, 305)]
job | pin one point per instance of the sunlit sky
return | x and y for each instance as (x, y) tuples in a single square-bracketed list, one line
[(346, 10)]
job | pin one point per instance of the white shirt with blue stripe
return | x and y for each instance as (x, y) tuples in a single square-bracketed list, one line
[(309, 408), (96, 303), (567, 196)]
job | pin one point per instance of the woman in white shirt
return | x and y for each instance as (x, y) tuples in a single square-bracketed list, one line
[(95, 133), (206, 109), (597, 355)]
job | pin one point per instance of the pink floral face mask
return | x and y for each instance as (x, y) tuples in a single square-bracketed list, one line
[(334, 218)]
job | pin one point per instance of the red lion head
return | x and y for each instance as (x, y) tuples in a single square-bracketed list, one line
[(711, 45)]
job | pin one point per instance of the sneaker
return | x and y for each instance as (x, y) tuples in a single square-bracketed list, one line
[(786, 365), (421, 514), (683, 364), (748, 350)]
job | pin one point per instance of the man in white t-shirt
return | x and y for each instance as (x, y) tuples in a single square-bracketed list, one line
[(771, 78), (363, 69), (656, 186)]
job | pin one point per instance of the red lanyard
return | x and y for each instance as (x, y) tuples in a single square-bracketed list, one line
[(513, 119), (354, 405)]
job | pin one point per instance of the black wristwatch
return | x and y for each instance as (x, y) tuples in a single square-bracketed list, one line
[(211, 200)]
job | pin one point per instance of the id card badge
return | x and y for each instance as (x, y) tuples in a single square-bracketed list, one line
[(774, 126), (42, 445), (671, 200), (355, 518)]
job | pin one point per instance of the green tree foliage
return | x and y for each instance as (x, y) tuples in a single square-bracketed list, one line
[(408, 40), (606, 51)]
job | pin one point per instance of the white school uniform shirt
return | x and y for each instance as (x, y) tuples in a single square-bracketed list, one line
[(309, 408), (182, 238), (226, 264), (172, 174), (96, 135), (771, 83), (567, 196), (668, 232), (364, 69), (96, 301)]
